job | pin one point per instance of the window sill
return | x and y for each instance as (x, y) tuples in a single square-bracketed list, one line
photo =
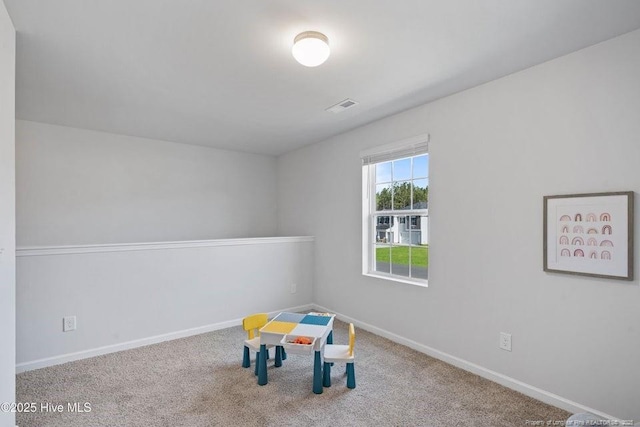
[(422, 283)]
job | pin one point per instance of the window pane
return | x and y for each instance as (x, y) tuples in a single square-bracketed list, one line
[(400, 260), (420, 193), (402, 195), (415, 222), (383, 197), (402, 169), (421, 166), (384, 232), (382, 258), (383, 172), (416, 238), (419, 261), (402, 230)]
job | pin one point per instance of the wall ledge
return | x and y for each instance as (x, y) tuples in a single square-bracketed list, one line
[(152, 246)]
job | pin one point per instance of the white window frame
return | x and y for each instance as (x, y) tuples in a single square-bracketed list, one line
[(410, 147)]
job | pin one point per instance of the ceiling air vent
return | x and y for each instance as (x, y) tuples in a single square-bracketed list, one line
[(342, 105)]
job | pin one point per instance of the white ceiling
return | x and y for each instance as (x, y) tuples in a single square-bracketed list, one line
[(220, 73)]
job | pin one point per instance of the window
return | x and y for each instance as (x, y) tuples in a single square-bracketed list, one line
[(395, 211)]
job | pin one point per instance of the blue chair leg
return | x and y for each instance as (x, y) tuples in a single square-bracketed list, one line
[(278, 362), (284, 354), (246, 361), (351, 376), (257, 359), (326, 375)]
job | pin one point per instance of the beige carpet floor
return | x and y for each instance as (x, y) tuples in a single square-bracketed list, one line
[(198, 381)]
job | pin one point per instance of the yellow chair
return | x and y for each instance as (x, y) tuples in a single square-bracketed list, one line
[(341, 353), (252, 325)]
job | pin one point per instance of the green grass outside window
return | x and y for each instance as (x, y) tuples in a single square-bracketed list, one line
[(400, 255)]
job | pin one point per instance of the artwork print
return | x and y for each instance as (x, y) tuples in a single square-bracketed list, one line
[(589, 234)]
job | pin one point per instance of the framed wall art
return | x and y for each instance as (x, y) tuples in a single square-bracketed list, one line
[(589, 234)]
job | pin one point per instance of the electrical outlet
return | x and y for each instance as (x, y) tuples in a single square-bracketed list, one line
[(68, 323), (505, 341), (294, 288)]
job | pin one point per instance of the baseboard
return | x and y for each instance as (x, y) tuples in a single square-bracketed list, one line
[(84, 354), (512, 383)]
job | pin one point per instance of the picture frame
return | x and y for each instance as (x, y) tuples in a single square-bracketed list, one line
[(589, 234)]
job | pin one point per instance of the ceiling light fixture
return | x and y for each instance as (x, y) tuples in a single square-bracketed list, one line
[(311, 48)]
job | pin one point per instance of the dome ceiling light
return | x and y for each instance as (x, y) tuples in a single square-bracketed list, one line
[(310, 48)]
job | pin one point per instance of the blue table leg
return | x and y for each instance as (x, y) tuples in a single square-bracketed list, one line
[(262, 365), (278, 362), (317, 374)]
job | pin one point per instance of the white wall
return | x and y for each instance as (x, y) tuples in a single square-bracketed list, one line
[(82, 187), (124, 293), (567, 126), (7, 214)]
